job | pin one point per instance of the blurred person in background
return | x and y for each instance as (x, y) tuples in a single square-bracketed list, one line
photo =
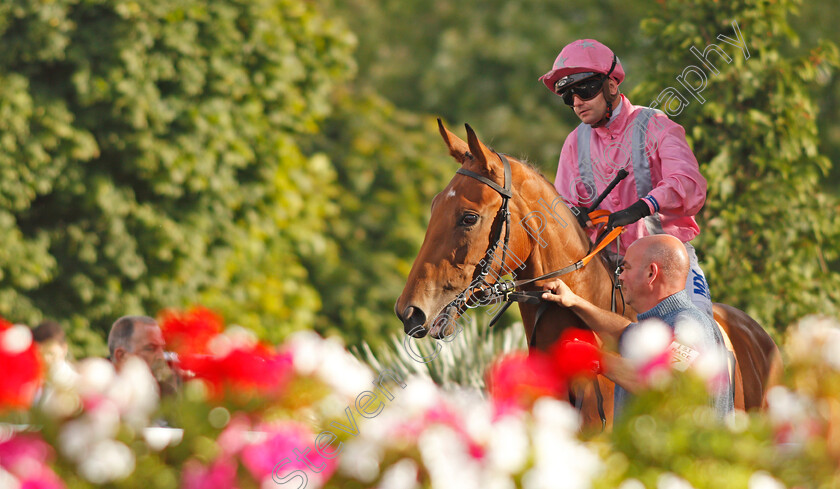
[(52, 345), (141, 336), (51, 341)]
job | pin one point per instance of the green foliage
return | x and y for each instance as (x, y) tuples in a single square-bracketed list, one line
[(479, 61), (148, 156), (767, 229), (813, 24), (389, 165), (673, 431)]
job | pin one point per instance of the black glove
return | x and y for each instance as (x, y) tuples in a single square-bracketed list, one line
[(581, 215), (629, 215)]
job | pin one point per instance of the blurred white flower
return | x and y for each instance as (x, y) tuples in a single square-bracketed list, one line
[(812, 337), (785, 406), (475, 413), (672, 481), (100, 422), (763, 480), (446, 457), (16, 339), (62, 375), (646, 341), (360, 460), (60, 403), (419, 395), (561, 458), (158, 437), (509, 445), (712, 367), (330, 362), (234, 336), (558, 454), (95, 376), (108, 461), (556, 415), (135, 392), (497, 480), (831, 350), (689, 332), (8, 481), (401, 475), (632, 484)]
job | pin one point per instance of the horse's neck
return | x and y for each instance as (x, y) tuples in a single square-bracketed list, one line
[(564, 244)]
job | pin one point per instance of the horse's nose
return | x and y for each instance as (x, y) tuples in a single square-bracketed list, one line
[(413, 319)]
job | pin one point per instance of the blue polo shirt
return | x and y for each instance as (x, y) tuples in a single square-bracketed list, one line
[(678, 311)]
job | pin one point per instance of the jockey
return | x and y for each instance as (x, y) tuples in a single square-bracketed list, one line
[(664, 189)]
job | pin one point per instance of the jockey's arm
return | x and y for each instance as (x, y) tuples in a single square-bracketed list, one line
[(607, 324), (680, 188)]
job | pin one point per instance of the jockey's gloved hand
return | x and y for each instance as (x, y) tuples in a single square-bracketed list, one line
[(581, 214), (629, 215)]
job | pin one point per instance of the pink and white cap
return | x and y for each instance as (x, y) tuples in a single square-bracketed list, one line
[(583, 55)]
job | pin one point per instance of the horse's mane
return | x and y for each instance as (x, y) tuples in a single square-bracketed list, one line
[(533, 169)]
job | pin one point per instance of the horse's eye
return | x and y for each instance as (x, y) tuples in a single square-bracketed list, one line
[(469, 219)]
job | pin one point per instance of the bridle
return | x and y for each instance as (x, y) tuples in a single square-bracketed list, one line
[(503, 216), (480, 293)]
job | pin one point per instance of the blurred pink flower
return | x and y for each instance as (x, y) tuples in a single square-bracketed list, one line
[(281, 440), (45, 480), (443, 414), (23, 446), (235, 436), (25, 457), (221, 474), (656, 366)]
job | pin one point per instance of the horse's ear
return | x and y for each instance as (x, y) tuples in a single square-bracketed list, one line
[(457, 147), (477, 148)]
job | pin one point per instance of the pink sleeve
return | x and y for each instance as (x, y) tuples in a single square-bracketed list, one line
[(681, 189), (567, 181)]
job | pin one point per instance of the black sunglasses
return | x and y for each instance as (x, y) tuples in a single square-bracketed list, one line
[(586, 90)]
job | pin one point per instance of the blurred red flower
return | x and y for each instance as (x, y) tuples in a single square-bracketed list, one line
[(258, 370), (576, 354), (519, 379), (20, 365), (227, 365), (188, 333)]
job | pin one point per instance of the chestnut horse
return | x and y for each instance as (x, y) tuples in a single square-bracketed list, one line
[(461, 245)]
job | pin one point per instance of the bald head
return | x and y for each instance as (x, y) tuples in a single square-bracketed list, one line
[(669, 254), (655, 267)]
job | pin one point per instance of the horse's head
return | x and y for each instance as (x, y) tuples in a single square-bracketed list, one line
[(465, 222)]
